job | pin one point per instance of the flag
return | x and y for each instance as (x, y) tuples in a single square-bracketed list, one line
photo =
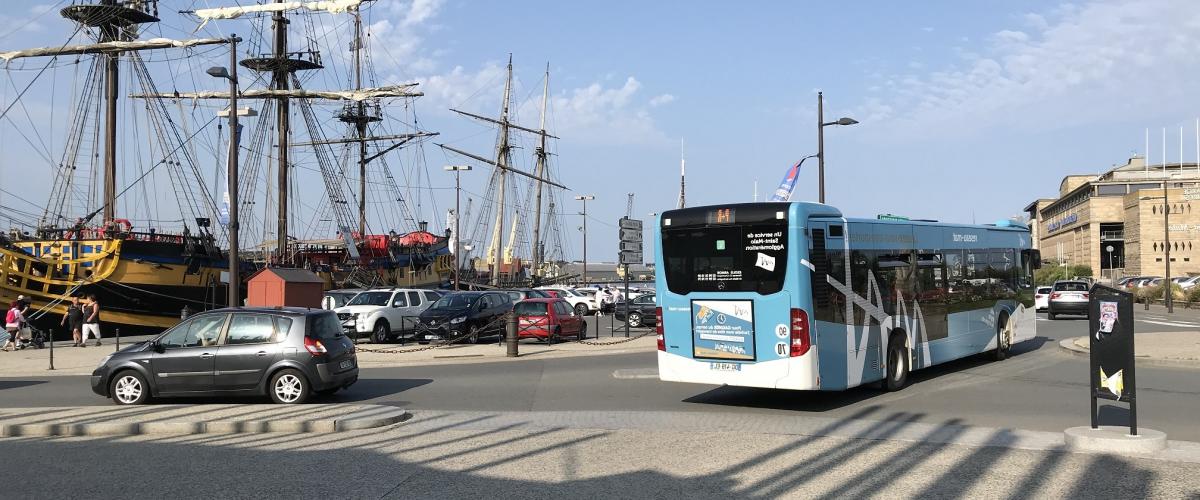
[(784, 192)]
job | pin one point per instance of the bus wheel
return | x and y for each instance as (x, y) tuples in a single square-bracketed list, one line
[(897, 364), (1004, 336)]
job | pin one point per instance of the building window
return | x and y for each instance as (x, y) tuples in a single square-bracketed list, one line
[(1139, 187), (1158, 259), (1112, 190)]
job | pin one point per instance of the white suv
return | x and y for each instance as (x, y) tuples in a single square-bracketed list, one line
[(385, 312), (582, 304)]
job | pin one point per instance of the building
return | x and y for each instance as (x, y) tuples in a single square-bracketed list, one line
[(1115, 223)]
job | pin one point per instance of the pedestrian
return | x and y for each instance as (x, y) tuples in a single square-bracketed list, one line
[(74, 317), (601, 301), (91, 319), (12, 325), (24, 304)]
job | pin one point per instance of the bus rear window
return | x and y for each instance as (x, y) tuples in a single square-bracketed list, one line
[(749, 258)]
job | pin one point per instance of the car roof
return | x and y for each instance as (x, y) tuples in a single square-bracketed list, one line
[(543, 299), (290, 311)]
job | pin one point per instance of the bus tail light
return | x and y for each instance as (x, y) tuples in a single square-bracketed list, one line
[(658, 328), (800, 337)]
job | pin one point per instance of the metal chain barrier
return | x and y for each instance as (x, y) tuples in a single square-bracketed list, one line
[(622, 341), (421, 329)]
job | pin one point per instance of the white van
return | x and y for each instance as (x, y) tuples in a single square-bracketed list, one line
[(384, 313)]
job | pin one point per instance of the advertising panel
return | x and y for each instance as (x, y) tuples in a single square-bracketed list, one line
[(723, 329)]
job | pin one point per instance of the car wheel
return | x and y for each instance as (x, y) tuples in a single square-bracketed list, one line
[(634, 319), (289, 387), (382, 332), (129, 388), (1004, 336), (581, 309), (1050, 316), (897, 365), (582, 333), (554, 337), (473, 335)]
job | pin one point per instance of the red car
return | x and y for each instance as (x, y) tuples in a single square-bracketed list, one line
[(548, 319)]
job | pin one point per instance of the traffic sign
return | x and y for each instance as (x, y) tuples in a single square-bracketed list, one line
[(632, 235), (631, 246), (631, 257), (631, 224)]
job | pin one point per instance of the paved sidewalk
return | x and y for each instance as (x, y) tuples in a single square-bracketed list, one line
[(82, 361), (194, 419), (1175, 348)]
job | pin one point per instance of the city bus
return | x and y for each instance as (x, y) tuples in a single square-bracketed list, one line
[(796, 296)]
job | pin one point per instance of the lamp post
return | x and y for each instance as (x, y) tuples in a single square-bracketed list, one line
[(458, 170), (1167, 239), (821, 124), (584, 199), (230, 74)]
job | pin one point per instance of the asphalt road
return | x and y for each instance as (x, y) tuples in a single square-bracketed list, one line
[(1041, 387)]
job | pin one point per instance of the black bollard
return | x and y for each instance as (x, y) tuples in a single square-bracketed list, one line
[(118, 339), (511, 334), (51, 348)]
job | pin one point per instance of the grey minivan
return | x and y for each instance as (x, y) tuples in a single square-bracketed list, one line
[(287, 353)]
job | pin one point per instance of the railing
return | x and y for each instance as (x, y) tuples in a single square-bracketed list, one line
[(1112, 235)]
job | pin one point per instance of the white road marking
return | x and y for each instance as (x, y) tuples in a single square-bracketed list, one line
[(1168, 323)]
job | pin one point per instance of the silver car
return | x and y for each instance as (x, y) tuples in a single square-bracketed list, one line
[(1068, 297)]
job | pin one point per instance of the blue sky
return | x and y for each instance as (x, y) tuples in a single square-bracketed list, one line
[(968, 110)]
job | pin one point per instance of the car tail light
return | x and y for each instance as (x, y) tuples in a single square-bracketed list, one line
[(800, 338), (1038, 296), (658, 328), (1085, 295), (314, 346), (1055, 295)]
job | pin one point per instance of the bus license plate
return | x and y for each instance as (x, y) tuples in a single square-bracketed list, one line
[(347, 364), (725, 367)]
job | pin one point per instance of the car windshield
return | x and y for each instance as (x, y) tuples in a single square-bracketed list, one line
[(530, 309), (1071, 286), (455, 301), (370, 299)]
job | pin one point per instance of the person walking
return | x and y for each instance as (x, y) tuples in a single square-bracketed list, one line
[(91, 319), (12, 325), (601, 301), (74, 317)]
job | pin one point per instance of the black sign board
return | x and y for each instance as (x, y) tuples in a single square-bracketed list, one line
[(1110, 334)]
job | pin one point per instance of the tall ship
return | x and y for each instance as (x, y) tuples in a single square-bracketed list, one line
[(135, 215)]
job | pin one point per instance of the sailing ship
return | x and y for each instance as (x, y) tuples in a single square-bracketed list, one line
[(502, 265), (144, 278)]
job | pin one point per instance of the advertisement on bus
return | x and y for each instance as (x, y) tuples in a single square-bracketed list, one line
[(723, 329)]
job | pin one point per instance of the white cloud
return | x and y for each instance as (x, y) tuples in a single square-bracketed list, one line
[(661, 99), (1072, 65)]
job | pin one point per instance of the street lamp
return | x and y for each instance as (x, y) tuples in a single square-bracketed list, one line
[(821, 124), (235, 282), (458, 170), (584, 199), (1167, 299)]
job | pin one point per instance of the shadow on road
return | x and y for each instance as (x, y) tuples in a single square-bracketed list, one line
[(13, 384)]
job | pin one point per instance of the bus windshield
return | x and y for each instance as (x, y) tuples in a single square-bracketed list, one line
[(727, 258)]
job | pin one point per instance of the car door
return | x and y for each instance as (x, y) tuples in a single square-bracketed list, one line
[(249, 348), (188, 355), (394, 312), (647, 305), (413, 309), (568, 321)]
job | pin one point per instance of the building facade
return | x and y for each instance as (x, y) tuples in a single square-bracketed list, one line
[(1116, 222)]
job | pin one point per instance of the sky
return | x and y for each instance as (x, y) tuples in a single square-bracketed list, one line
[(968, 111)]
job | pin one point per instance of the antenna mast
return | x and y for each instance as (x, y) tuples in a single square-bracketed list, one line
[(682, 175)]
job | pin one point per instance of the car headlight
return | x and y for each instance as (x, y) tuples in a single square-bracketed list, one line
[(104, 360), (458, 320)]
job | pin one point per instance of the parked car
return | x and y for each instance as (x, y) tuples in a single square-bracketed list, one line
[(466, 315), (1041, 298), (286, 353), (519, 294), (1145, 281), (1068, 297), (582, 304), (334, 299), (548, 319), (384, 313), (1187, 284), (639, 311)]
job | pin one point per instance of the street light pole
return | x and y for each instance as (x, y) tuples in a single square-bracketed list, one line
[(1167, 238), (584, 199), (235, 281), (821, 124), (457, 169)]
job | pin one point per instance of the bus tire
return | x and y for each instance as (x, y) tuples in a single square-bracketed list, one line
[(1004, 336), (897, 364)]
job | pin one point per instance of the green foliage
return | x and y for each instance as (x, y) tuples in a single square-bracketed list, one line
[(1155, 293), (1193, 294), (1051, 272)]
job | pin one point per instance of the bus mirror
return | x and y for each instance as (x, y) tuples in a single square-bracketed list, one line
[(1035, 258)]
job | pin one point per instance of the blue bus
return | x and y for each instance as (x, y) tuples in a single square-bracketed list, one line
[(796, 296)]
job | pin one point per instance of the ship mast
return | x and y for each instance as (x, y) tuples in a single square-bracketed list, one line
[(502, 151), (360, 126), (540, 171), (279, 81)]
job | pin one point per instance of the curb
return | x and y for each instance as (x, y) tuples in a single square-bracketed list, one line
[(366, 418), (1068, 344)]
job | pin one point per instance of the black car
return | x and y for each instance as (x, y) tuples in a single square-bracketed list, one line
[(286, 353), (467, 316), (638, 312)]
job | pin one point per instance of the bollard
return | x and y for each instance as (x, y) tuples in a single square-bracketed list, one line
[(51, 348), (511, 334), (612, 322), (118, 339)]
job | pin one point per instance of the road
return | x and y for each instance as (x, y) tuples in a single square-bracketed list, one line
[(1041, 387)]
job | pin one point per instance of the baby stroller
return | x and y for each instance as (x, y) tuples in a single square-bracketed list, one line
[(36, 339)]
